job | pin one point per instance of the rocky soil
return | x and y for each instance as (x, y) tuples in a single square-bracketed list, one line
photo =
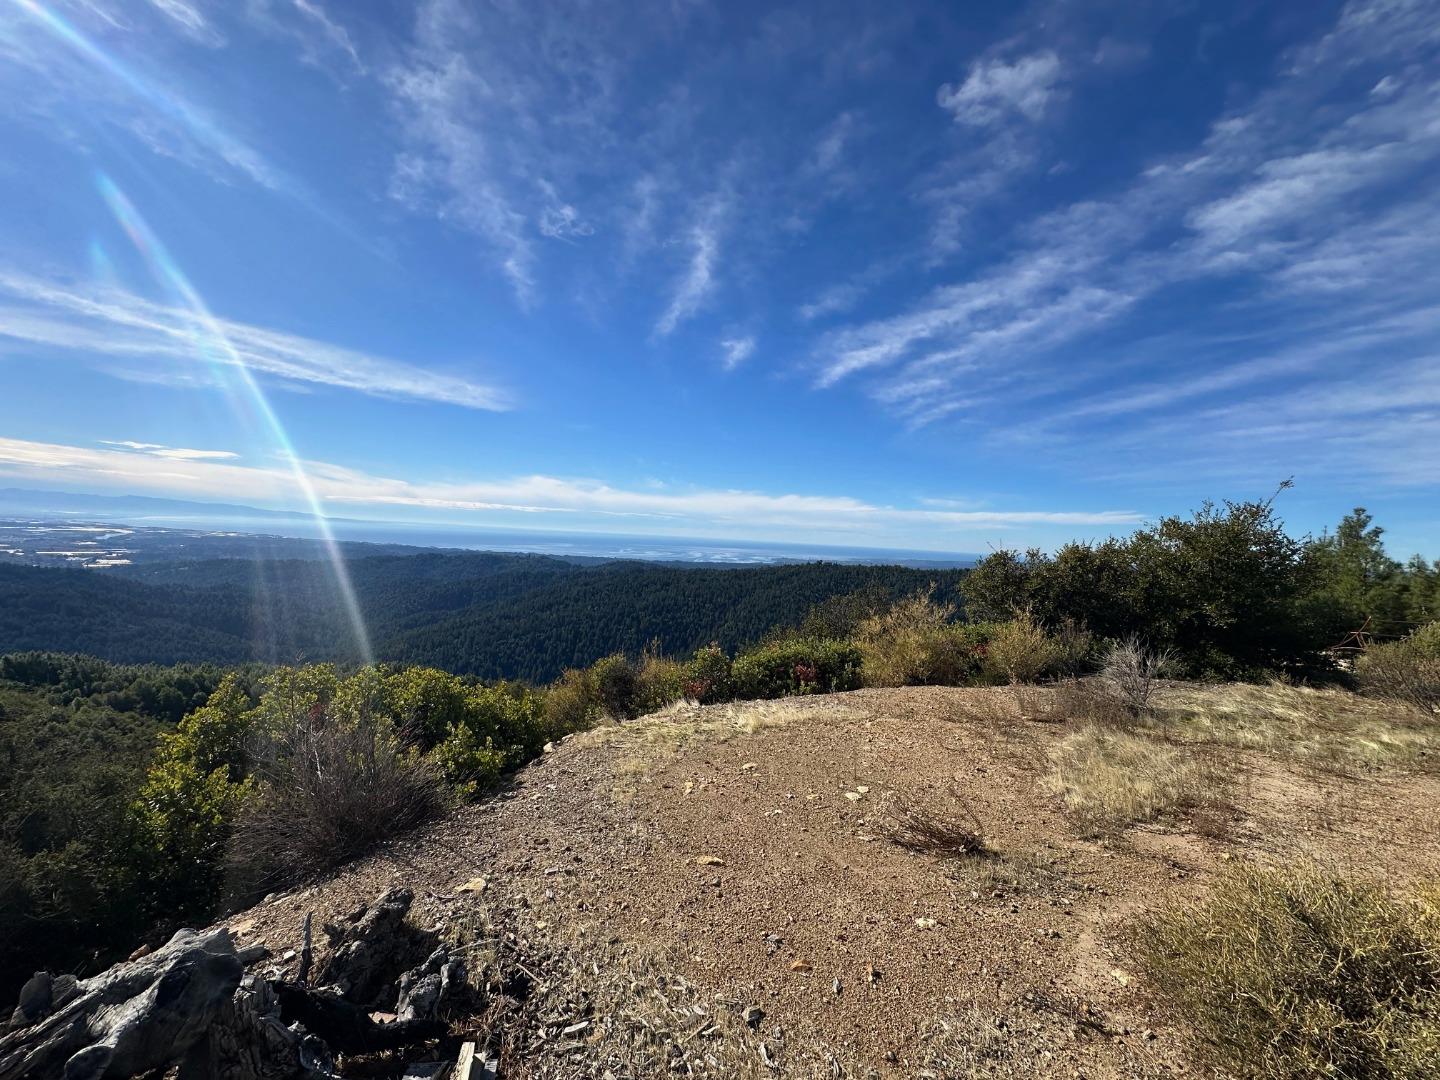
[(717, 891)]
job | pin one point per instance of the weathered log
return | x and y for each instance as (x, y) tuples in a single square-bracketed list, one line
[(129, 1020), (250, 1041), (422, 989), (346, 1028), (370, 948)]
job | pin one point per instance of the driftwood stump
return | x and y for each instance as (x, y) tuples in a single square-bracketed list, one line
[(133, 1018), (192, 1004)]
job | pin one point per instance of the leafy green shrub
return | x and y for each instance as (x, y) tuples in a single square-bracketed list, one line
[(192, 791), (468, 761), (707, 676), (616, 686), (916, 642), (1020, 651), (1405, 670), (797, 666), (571, 703), (659, 682), (1293, 973)]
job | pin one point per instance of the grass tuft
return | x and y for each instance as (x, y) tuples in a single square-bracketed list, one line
[(1291, 973), (1110, 779)]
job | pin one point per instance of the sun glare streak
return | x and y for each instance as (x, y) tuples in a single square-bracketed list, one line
[(201, 128), (211, 341)]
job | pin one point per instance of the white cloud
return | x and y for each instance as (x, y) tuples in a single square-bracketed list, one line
[(736, 350), (1318, 195), (189, 19), (115, 325), (994, 90), (698, 279), (738, 513), (174, 453)]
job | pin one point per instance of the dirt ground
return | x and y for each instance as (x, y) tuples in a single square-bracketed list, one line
[(745, 849)]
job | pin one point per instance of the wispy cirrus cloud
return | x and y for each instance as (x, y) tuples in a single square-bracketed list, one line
[(737, 513), (697, 280), (174, 453), (60, 72), (1311, 197), (735, 351), (113, 327)]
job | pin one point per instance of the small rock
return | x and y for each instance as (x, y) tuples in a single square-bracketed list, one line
[(709, 860), (753, 1016), (925, 924), (836, 987), (853, 796), (862, 789), (749, 766), (800, 966)]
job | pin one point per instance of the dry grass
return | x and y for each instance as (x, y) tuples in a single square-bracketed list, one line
[(1292, 973), (650, 740), (1331, 729), (1110, 779), (922, 829)]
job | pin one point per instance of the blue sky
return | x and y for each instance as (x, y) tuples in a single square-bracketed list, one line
[(921, 275)]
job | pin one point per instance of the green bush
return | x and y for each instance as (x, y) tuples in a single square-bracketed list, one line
[(616, 686), (707, 676), (1020, 651), (1290, 974), (798, 666), (659, 682), (1405, 670), (915, 642), (571, 704)]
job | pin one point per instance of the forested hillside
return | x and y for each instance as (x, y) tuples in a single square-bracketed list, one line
[(492, 615)]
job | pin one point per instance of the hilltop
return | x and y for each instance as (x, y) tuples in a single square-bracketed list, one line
[(664, 876)]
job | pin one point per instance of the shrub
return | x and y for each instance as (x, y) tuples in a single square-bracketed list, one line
[(1405, 670), (328, 787), (707, 676), (1020, 651), (616, 686), (797, 666), (468, 760), (1110, 779), (571, 704), (915, 642), (1130, 671), (922, 829), (1291, 973), (659, 682)]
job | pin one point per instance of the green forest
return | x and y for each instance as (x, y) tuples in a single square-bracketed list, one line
[(496, 616)]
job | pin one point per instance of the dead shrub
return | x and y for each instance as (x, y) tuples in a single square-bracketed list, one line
[(1090, 701), (1286, 973), (1110, 779), (1132, 670), (947, 836), (326, 791), (1407, 670)]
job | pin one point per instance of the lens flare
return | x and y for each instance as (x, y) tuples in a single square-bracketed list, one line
[(229, 366), (200, 127)]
